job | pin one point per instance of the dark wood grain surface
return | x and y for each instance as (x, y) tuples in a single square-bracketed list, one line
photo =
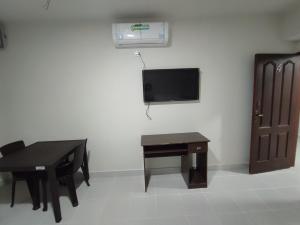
[(167, 139), (38, 154), (42, 156), (275, 113)]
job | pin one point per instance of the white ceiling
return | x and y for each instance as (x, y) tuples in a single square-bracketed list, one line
[(20, 10)]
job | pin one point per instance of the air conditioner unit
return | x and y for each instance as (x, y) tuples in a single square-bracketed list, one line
[(132, 35), (2, 37)]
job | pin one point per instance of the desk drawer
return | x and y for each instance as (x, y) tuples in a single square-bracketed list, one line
[(197, 147)]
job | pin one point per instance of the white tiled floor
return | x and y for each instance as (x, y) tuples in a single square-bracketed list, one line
[(232, 198)]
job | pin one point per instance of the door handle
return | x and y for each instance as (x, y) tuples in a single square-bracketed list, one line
[(260, 115)]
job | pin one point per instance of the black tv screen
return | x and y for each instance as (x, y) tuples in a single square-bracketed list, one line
[(171, 85)]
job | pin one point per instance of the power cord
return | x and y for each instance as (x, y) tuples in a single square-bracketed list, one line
[(138, 54), (147, 112), (47, 4)]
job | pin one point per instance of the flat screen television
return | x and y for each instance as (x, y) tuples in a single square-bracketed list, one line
[(162, 85)]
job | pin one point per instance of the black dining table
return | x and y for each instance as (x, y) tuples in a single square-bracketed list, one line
[(42, 156)]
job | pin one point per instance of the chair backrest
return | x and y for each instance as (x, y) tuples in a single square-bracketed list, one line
[(12, 147), (78, 156)]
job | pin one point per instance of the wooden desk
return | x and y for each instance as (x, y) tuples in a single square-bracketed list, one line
[(184, 145)]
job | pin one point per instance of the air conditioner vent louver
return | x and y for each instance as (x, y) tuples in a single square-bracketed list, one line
[(132, 35)]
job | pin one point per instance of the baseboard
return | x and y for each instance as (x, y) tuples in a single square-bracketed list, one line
[(228, 167), (116, 173), (166, 170), (155, 171)]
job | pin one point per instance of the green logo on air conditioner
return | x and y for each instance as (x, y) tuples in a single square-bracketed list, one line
[(139, 26)]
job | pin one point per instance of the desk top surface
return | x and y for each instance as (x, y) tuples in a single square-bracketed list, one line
[(167, 139), (38, 154)]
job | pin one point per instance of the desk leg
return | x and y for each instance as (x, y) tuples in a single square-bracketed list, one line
[(54, 193), (33, 187), (201, 161), (194, 177), (186, 165)]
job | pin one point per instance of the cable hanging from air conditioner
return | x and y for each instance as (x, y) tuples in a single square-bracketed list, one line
[(138, 53), (147, 112), (47, 4)]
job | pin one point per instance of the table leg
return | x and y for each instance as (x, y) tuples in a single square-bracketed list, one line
[(33, 187), (52, 180)]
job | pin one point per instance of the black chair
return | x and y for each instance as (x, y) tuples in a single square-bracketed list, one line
[(84, 166), (16, 176), (65, 174)]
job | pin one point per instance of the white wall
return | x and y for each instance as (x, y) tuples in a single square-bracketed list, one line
[(2, 111), (3, 116), (68, 81), (298, 46), (291, 25)]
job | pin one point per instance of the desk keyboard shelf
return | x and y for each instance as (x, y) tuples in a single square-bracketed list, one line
[(165, 150), (165, 153)]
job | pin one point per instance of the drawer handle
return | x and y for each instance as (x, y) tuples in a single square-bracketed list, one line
[(198, 148)]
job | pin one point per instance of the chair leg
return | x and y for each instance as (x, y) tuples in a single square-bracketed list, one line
[(33, 187), (85, 175), (13, 190), (45, 198), (72, 190), (85, 168)]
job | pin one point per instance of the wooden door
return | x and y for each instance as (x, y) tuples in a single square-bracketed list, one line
[(275, 118)]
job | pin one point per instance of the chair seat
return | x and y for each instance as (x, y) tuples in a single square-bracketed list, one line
[(64, 169)]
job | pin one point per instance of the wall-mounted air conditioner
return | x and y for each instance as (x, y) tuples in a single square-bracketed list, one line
[(2, 37), (132, 35)]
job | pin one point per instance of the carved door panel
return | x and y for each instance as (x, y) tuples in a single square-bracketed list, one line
[(275, 119)]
